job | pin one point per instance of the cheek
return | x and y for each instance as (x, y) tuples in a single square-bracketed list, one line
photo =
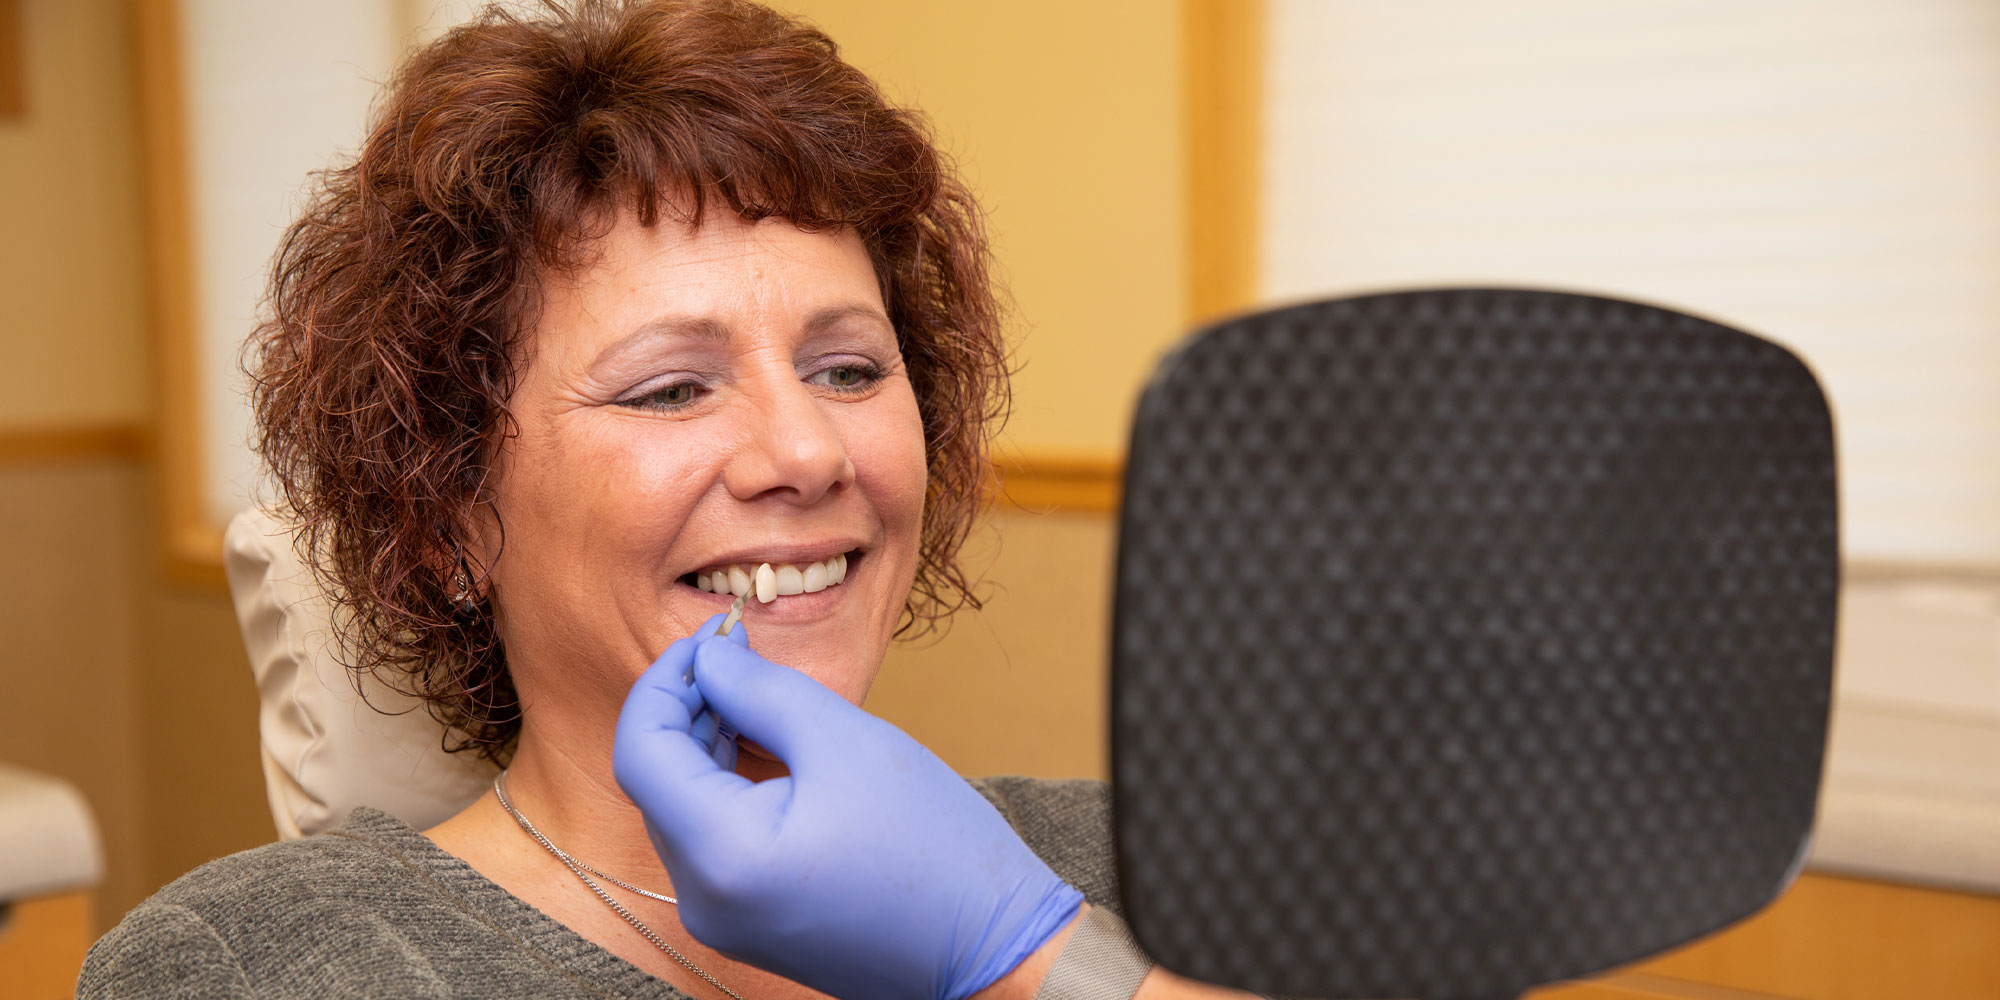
[(587, 517), (589, 492), (894, 470)]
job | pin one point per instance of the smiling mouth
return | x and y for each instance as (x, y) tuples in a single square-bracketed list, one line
[(769, 581)]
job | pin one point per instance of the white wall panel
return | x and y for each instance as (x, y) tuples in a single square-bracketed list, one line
[(1822, 172), (275, 89)]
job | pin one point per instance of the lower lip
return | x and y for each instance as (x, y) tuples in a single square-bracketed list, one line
[(794, 609)]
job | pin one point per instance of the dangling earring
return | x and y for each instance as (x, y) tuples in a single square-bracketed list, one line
[(462, 601)]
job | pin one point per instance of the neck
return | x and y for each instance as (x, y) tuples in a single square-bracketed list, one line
[(571, 797), (569, 793)]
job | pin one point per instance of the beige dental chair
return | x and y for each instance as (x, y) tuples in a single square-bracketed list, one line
[(325, 749)]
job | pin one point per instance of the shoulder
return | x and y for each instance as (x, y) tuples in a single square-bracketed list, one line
[(247, 924), (1051, 808), (316, 867), (162, 950), (359, 864), (1067, 822)]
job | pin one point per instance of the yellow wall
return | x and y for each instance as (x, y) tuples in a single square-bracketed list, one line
[(1021, 686), (1067, 119), (69, 246)]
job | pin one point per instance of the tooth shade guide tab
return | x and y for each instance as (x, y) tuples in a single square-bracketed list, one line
[(735, 614)]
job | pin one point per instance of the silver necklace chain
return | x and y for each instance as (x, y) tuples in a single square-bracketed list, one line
[(578, 868)]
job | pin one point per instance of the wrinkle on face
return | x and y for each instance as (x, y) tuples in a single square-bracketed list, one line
[(606, 505)]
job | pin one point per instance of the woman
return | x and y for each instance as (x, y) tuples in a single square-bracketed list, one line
[(615, 308)]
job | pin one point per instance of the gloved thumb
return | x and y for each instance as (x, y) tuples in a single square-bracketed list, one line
[(739, 635), (782, 709), (662, 755)]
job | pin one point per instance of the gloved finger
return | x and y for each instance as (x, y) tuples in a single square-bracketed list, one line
[(664, 770), (784, 710), (720, 743), (725, 749), (677, 660), (702, 631), (725, 754), (739, 635), (703, 730)]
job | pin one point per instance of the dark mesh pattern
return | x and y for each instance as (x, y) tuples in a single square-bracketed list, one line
[(1467, 640)]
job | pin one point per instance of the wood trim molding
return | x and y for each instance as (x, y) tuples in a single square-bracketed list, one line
[(1048, 484), (190, 546), (13, 61), (1866, 570), (1225, 92), (1635, 986), (20, 445)]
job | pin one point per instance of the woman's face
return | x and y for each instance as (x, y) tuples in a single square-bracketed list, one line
[(697, 401)]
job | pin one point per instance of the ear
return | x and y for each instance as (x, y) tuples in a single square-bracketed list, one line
[(472, 536), (470, 550), (465, 545)]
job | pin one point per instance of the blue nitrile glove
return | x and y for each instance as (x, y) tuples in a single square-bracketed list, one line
[(675, 675), (872, 872)]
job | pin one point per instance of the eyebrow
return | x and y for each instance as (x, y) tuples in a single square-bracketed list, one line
[(831, 315), (709, 330)]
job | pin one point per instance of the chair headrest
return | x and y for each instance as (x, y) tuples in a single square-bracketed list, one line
[(326, 747)]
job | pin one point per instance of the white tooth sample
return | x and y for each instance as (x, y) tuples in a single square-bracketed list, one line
[(702, 582), (790, 581), (815, 578), (767, 584), (839, 574), (739, 581)]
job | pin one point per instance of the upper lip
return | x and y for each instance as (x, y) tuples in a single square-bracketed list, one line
[(778, 554)]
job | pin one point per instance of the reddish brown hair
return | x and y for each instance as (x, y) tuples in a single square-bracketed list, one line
[(383, 368)]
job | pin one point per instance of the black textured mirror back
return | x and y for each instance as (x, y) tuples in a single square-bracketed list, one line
[(1467, 640)]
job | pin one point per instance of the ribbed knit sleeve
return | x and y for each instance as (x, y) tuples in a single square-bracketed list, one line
[(1067, 822), (161, 951)]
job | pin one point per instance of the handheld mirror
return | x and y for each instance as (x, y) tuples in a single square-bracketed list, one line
[(1467, 640)]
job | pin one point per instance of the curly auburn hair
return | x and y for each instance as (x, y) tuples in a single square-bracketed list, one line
[(382, 369)]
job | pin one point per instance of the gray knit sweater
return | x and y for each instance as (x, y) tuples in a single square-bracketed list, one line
[(375, 909)]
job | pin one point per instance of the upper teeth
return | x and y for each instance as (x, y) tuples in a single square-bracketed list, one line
[(770, 582)]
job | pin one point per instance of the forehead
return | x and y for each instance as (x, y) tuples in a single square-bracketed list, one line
[(719, 262), (727, 275)]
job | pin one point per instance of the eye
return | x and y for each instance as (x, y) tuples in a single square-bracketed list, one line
[(672, 397), (849, 378)]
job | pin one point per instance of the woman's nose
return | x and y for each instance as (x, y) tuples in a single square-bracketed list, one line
[(790, 448)]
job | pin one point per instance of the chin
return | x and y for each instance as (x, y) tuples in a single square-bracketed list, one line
[(849, 678), (837, 634)]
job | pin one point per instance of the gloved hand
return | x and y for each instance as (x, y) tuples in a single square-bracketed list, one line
[(703, 727), (872, 871)]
